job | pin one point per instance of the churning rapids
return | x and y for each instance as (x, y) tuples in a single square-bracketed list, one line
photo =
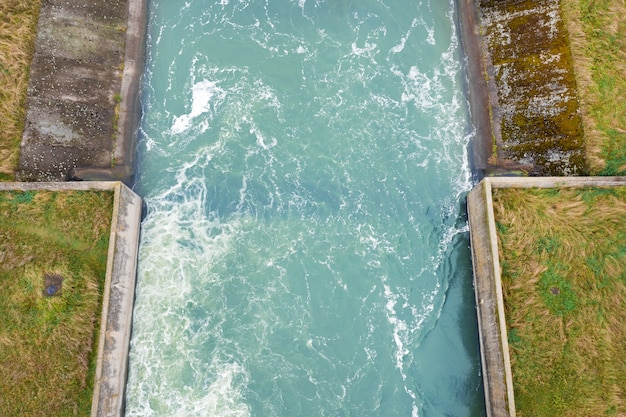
[(304, 250)]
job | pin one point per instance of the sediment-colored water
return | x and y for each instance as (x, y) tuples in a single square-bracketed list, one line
[(304, 250)]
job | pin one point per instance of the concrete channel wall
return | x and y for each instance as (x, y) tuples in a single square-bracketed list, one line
[(117, 304), (119, 289), (494, 350)]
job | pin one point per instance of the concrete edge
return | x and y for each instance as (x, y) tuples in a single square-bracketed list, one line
[(117, 302), (60, 186), (494, 351), (497, 283), (553, 182), (494, 356), (119, 289), (106, 297), (130, 109), (478, 92)]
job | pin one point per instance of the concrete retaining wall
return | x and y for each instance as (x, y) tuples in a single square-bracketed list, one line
[(478, 94), (494, 352), (117, 305), (494, 348), (119, 290)]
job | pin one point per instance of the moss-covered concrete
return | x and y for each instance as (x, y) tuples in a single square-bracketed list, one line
[(532, 98)]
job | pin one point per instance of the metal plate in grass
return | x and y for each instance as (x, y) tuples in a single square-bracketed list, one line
[(52, 283)]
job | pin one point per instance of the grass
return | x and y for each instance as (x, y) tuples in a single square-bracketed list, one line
[(563, 256), (597, 30), (48, 343), (18, 26)]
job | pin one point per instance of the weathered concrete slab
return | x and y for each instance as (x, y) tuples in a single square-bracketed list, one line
[(496, 365), (82, 102), (532, 87), (522, 89), (119, 290), (117, 302)]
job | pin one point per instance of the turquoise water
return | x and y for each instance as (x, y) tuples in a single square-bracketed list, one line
[(304, 250)]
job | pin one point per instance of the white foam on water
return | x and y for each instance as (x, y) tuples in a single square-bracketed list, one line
[(400, 328), (425, 91), (190, 369), (400, 47), (181, 241), (224, 394), (221, 397), (431, 36), (203, 94), (368, 50), (405, 333)]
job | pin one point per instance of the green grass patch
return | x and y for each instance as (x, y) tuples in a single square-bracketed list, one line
[(53, 251), (564, 286), (556, 291), (598, 37)]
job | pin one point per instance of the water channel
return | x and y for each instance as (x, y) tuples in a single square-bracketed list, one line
[(305, 249)]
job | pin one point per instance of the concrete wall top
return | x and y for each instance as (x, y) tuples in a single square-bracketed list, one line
[(117, 305), (494, 350), (119, 289)]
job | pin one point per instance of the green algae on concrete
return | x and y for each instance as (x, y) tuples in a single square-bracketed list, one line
[(76, 71), (532, 90)]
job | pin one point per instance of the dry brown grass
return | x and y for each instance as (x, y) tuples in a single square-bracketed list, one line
[(597, 30), (564, 280), (18, 27), (48, 344)]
